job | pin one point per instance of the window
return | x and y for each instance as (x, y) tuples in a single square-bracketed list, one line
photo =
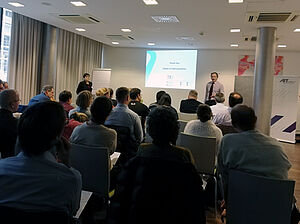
[(5, 42)]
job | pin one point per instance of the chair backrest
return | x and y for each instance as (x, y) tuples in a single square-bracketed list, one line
[(187, 117), (259, 200), (17, 216), (93, 164), (203, 150), (182, 125), (226, 129)]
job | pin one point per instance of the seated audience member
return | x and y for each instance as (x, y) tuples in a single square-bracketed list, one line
[(5, 85), (47, 94), (219, 110), (165, 100), (83, 101), (93, 132), (190, 105), (158, 96), (111, 93), (122, 116), (47, 181), (160, 184), (250, 150), (75, 120), (9, 102), (1, 85), (234, 99), (137, 106), (103, 92), (204, 126), (65, 99)]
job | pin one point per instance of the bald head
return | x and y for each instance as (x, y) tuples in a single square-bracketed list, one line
[(243, 118), (9, 100)]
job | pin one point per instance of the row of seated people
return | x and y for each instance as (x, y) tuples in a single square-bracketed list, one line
[(164, 130)]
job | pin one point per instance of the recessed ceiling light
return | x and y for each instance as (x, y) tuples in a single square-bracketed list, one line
[(80, 29), (234, 45), (150, 2), (115, 43), (281, 45), (16, 4), (126, 30), (297, 30), (151, 44), (165, 19), (235, 30), (78, 3), (185, 38), (235, 1)]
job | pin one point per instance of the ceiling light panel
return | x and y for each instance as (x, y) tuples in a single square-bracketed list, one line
[(165, 19), (235, 30), (80, 29), (151, 44), (234, 45), (297, 30), (281, 46), (78, 3), (126, 30), (115, 43), (16, 4), (150, 2), (235, 1)]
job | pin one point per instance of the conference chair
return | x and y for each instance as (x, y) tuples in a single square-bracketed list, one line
[(93, 164), (226, 129), (12, 215), (125, 145), (187, 117), (204, 152), (260, 200), (182, 125)]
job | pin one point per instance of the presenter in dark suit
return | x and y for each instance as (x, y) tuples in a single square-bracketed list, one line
[(212, 88), (86, 84), (191, 104)]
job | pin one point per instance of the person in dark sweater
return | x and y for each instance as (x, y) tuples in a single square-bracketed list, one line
[(136, 106), (160, 184), (86, 84), (9, 103), (191, 104)]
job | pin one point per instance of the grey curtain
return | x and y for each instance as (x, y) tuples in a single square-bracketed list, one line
[(41, 54), (24, 57)]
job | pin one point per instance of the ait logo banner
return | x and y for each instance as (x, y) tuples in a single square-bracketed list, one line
[(284, 108)]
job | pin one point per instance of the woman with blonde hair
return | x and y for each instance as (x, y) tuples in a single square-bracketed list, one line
[(103, 92)]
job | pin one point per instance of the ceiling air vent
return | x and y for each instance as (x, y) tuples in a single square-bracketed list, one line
[(119, 37), (79, 19), (271, 17)]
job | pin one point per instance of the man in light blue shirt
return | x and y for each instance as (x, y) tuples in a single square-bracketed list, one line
[(40, 178), (121, 115)]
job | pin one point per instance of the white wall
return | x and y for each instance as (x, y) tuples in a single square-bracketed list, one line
[(128, 69)]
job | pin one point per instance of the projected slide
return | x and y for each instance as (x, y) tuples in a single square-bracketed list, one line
[(171, 69)]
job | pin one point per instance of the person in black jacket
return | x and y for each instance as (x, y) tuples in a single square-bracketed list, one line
[(160, 184), (9, 103), (86, 84), (190, 105)]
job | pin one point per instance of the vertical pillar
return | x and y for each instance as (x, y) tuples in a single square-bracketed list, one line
[(48, 69), (263, 77)]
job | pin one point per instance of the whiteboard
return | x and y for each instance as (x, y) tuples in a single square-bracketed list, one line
[(101, 78)]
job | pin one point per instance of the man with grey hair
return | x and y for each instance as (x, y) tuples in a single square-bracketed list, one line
[(9, 103), (191, 104), (219, 110), (47, 94)]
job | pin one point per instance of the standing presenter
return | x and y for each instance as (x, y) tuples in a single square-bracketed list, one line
[(212, 88), (86, 84)]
